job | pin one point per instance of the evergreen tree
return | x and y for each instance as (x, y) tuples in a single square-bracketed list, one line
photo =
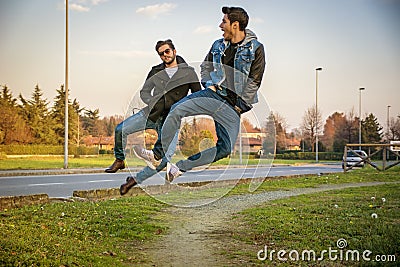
[(110, 123), (371, 130), (7, 98), (13, 128), (269, 143), (90, 122), (81, 132), (37, 116), (58, 116)]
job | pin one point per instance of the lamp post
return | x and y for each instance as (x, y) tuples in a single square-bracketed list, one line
[(316, 113), (66, 90), (388, 123), (359, 115)]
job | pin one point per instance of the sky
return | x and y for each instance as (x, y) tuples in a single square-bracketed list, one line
[(111, 50)]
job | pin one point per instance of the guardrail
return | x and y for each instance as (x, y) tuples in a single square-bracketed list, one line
[(384, 148)]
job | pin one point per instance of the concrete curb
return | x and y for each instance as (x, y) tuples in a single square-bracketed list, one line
[(20, 201), (112, 193)]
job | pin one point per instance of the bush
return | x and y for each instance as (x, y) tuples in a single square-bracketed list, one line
[(46, 150), (296, 155)]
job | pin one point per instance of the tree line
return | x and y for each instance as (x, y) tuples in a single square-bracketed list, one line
[(338, 130), (34, 121)]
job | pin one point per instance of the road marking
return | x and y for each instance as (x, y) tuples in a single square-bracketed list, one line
[(100, 181), (45, 184)]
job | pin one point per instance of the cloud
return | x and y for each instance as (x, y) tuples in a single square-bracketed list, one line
[(83, 5), (204, 29), (78, 7), (96, 2), (154, 11)]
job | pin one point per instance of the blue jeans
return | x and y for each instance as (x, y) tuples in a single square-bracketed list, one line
[(204, 102), (135, 123)]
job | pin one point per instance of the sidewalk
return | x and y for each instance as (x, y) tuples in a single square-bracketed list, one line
[(9, 173)]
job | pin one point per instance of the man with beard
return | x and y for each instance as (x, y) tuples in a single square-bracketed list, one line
[(165, 84)]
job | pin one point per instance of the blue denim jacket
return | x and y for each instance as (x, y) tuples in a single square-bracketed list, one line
[(243, 59)]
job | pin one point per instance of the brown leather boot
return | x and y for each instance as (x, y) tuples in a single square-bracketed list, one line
[(130, 182), (118, 164)]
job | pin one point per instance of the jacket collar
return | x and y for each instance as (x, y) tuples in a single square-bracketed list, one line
[(250, 35)]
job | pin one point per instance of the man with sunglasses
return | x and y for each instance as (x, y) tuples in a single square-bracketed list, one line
[(165, 84), (231, 73)]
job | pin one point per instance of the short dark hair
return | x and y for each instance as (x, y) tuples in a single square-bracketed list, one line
[(237, 14), (168, 42)]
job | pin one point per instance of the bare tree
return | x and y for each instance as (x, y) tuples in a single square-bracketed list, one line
[(394, 130), (312, 125), (280, 131)]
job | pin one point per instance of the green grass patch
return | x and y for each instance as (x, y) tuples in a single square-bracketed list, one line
[(193, 196), (57, 162), (316, 222), (367, 174), (112, 233), (105, 233)]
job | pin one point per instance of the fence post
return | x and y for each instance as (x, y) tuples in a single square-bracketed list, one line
[(345, 159), (384, 158)]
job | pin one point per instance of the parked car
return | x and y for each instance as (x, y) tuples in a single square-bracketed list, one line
[(353, 160)]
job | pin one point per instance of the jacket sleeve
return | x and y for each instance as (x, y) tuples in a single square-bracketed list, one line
[(145, 92), (255, 76), (205, 69)]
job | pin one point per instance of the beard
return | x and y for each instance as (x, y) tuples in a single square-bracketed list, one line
[(227, 36), (169, 60)]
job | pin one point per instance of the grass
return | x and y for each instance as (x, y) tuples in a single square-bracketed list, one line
[(79, 234), (112, 233), (367, 174), (316, 222), (57, 162), (188, 196)]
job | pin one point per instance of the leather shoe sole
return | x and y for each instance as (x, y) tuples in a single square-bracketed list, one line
[(117, 165)]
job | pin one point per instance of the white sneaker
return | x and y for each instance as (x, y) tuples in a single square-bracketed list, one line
[(172, 172), (147, 156)]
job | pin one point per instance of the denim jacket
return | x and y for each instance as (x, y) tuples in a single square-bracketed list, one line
[(214, 74)]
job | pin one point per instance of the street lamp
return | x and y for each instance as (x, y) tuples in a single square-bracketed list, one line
[(388, 123), (316, 113), (359, 115), (66, 90)]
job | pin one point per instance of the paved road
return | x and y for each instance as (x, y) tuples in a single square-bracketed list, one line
[(64, 184)]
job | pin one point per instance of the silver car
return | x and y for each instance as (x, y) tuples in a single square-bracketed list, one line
[(354, 160)]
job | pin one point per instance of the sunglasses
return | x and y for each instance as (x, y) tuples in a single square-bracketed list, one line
[(166, 51)]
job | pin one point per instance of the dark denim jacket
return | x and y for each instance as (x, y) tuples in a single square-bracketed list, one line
[(244, 57)]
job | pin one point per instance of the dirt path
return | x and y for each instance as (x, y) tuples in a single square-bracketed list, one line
[(197, 234)]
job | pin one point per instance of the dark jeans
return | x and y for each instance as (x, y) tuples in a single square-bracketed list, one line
[(135, 123), (204, 102)]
